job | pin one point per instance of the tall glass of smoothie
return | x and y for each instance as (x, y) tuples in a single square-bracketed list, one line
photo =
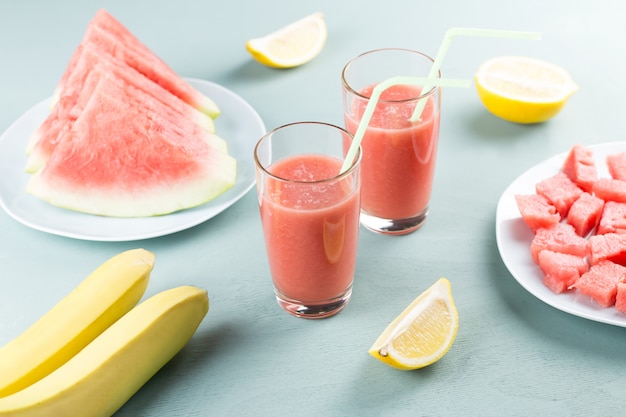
[(398, 162), (310, 216)]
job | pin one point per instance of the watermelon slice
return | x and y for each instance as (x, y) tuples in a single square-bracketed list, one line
[(585, 213), (600, 282), (616, 164), (613, 219), (122, 158), (90, 67), (112, 37), (92, 56), (610, 189), (560, 270), (610, 246), (580, 167), (537, 211), (560, 191), (562, 238)]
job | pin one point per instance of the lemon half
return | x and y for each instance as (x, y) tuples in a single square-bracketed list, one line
[(423, 333), (522, 89), (292, 45)]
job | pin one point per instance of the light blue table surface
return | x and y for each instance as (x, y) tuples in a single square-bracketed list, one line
[(514, 355)]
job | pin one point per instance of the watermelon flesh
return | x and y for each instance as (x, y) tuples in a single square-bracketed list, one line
[(91, 56), (585, 250), (613, 218), (110, 35), (600, 282), (616, 165), (537, 211), (585, 213), (92, 66), (122, 158), (580, 167), (560, 191), (609, 246), (610, 189), (559, 238), (561, 270)]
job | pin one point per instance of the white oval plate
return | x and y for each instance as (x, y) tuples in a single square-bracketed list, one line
[(514, 237), (239, 124)]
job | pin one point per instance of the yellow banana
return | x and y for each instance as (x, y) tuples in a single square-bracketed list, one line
[(102, 298), (107, 372)]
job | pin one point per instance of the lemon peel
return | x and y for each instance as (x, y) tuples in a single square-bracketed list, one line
[(423, 333), (291, 46), (523, 90)]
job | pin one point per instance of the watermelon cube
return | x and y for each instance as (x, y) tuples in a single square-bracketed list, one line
[(600, 282), (610, 246), (616, 163), (537, 211), (560, 191), (561, 270), (580, 167), (620, 297), (613, 218), (585, 213), (562, 238), (610, 189)]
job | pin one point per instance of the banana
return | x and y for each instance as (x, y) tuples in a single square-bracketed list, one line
[(107, 372), (102, 298)]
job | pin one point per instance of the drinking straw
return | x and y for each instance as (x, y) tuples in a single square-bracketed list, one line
[(427, 83), (445, 44), (371, 105)]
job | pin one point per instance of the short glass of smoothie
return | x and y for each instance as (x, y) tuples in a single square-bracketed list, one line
[(310, 215), (398, 161)]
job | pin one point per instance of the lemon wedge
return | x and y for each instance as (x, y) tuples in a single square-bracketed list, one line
[(292, 45), (423, 333), (523, 90)]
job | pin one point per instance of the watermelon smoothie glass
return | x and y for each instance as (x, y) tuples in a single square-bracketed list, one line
[(309, 215), (398, 162)]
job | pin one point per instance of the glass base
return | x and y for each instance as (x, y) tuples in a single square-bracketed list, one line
[(314, 310), (393, 226)]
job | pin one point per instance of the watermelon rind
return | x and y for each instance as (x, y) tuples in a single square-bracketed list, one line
[(126, 136), (122, 157), (162, 200)]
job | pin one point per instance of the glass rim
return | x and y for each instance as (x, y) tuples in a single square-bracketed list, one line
[(351, 90), (339, 176)]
